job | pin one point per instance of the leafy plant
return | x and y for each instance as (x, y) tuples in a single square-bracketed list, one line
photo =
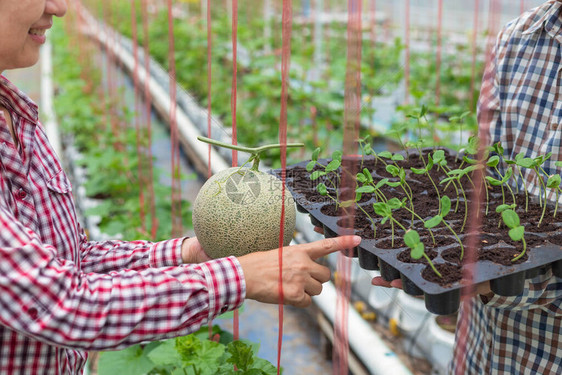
[(330, 173), (385, 209), (444, 209), (194, 354), (516, 231), (412, 240)]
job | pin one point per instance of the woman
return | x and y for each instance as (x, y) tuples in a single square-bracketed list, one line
[(60, 294)]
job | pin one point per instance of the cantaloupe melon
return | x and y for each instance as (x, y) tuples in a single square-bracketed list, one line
[(238, 211)]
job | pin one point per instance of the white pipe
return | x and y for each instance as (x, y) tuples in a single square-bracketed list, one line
[(47, 107), (363, 340)]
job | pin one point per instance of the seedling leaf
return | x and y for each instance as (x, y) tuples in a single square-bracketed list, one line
[(333, 165), (394, 203), (366, 189), (493, 161), (417, 251), (315, 154), (502, 207), (310, 165), (337, 155), (385, 154), (553, 181), (418, 171), (316, 174), (411, 238), (517, 233), (510, 218), (322, 189), (433, 222), (445, 205)]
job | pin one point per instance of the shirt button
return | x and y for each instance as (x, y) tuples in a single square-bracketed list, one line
[(21, 194), (554, 126)]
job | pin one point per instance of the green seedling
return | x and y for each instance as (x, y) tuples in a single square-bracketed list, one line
[(425, 171), (504, 180), (417, 248), (384, 209), (522, 162), (441, 162), (553, 182), (516, 231), (454, 120), (440, 218), (366, 149), (401, 174), (328, 171)]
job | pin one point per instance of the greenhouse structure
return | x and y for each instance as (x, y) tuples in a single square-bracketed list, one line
[(212, 159)]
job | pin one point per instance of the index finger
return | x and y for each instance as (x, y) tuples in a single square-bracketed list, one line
[(318, 249)]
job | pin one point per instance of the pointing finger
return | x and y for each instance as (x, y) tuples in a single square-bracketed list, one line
[(326, 246)]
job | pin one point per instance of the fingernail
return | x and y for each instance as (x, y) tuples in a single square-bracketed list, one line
[(356, 240)]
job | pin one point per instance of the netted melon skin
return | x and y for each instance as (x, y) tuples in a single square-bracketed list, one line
[(238, 211)]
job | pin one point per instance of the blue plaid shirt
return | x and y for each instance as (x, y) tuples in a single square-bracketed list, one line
[(520, 105)]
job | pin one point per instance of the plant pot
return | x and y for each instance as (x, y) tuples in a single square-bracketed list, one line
[(368, 260), (509, 285)]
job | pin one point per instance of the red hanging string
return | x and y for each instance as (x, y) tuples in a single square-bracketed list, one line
[(176, 187), (475, 217), (209, 75), (140, 154), (439, 51), (209, 117), (374, 23), (352, 116), (407, 53), (474, 51), (233, 100), (233, 96), (522, 6), (287, 21), (148, 119)]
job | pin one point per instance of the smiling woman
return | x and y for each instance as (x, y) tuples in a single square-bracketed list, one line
[(61, 294), (23, 24)]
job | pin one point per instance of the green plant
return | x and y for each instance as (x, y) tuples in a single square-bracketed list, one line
[(412, 240), (385, 209), (194, 354), (516, 231), (330, 173), (444, 209)]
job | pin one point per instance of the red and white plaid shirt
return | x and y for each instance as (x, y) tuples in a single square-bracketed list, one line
[(520, 106), (62, 295)]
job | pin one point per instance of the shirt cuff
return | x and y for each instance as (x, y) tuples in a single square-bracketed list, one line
[(166, 253), (226, 283)]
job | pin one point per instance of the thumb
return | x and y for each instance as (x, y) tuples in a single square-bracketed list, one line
[(326, 246)]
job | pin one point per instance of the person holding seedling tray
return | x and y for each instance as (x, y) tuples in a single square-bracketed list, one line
[(520, 115), (62, 295)]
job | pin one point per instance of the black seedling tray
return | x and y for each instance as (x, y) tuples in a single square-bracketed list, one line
[(439, 299)]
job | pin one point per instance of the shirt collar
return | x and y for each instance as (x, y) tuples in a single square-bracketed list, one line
[(16, 99), (551, 21)]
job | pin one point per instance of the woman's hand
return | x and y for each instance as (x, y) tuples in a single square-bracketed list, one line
[(192, 252), (302, 276)]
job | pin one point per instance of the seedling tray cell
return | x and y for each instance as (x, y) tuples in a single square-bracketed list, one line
[(440, 298)]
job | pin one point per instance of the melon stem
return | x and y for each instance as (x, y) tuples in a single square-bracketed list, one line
[(254, 151)]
